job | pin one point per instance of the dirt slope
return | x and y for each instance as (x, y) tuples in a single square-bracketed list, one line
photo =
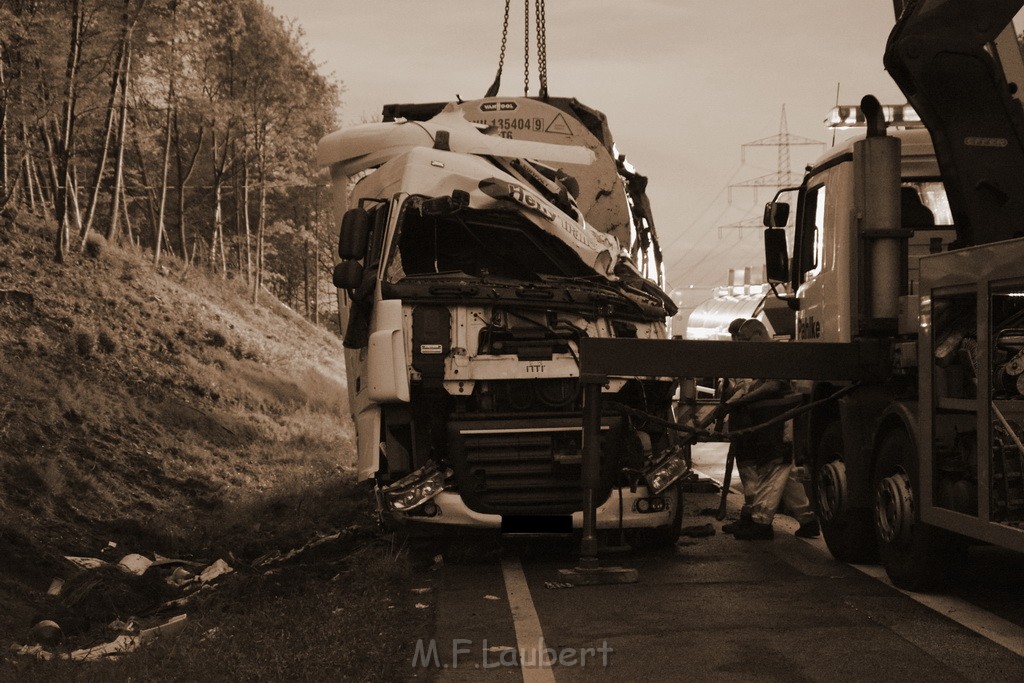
[(159, 411)]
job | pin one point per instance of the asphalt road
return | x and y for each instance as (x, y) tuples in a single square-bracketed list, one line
[(717, 609)]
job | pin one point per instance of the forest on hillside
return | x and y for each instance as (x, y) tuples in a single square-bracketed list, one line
[(185, 128)]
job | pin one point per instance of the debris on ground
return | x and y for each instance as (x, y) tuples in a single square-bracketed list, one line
[(558, 585), (218, 568), (277, 557), (698, 531)]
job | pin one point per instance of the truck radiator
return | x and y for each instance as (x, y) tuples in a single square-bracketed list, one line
[(520, 465)]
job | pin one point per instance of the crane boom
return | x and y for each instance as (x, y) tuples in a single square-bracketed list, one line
[(943, 54)]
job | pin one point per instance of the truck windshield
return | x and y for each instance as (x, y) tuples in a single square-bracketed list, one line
[(478, 244)]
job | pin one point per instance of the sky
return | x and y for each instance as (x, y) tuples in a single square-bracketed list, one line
[(684, 84)]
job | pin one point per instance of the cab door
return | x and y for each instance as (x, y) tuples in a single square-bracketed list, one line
[(823, 253)]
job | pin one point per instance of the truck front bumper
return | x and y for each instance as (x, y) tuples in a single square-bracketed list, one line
[(450, 513)]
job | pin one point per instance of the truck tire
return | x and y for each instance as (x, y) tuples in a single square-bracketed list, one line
[(849, 532), (659, 538), (916, 556)]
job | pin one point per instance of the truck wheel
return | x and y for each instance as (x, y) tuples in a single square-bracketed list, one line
[(658, 538), (916, 556), (849, 532)]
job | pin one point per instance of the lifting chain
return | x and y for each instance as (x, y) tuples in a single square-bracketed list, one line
[(542, 49), (526, 49), (493, 90)]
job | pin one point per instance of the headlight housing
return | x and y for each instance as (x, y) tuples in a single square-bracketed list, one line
[(666, 471), (416, 489)]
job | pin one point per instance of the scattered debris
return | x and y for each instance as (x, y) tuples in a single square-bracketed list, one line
[(125, 643), (438, 562), (56, 586), (421, 591), (557, 585), (218, 568), (421, 605), (698, 531), (180, 576), (109, 651), (36, 651), (85, 562), (500, 648), (135, 564), (46, 632), (491, 597), (276, 556)]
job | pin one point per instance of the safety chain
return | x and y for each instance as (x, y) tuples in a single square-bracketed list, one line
[(526, 50), (542, 48), (493, 90), (706, 435)]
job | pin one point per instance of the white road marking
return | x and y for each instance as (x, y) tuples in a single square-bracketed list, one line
[(985, 624), (529, 636)]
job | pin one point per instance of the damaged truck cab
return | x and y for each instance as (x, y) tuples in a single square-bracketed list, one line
[(479, 242)]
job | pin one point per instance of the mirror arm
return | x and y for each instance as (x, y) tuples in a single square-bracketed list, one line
[(790, 299)]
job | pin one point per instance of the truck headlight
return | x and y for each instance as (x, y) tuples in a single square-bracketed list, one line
[(416, 489), (666, 472)]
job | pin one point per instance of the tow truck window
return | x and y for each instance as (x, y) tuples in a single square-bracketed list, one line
[(812, 218), (932, 194)]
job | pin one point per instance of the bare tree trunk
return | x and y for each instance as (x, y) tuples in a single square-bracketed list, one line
[(115, 195), (166, 170), (29, 182), (147, 186), (127, 218), (5, 177), (74, 197), (316, 257), (245, 220), (108, 127), (261, 224), (184, 172), (51, 158), (66, 143)]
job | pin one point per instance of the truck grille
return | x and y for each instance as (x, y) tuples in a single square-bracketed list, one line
[(525, 466)]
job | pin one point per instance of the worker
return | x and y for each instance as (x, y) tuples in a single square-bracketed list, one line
[(763, 458)]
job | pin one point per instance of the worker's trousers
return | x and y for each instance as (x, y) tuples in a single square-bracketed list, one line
[(766, 485)]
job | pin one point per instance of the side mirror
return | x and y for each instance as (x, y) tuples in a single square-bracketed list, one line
[(776, 214), (445, 206), (348, 274), (354, 233), (776, 255)]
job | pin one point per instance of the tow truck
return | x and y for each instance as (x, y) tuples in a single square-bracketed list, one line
[(908, 240), (906, 276)]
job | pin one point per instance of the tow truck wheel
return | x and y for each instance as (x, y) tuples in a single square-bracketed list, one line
[(916, 556), (848, 532), (661, 537)]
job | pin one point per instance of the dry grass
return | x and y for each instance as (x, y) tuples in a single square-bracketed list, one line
[(166, 414)]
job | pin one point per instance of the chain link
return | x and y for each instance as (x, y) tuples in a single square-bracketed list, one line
[(504, 39), (493, 90), (542, 48), (526, 50)]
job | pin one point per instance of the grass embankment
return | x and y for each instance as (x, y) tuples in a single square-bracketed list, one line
[(163, 412)]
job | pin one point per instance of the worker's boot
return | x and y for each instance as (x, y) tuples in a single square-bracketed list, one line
[(755, 532), (809, 529), (744, 521)]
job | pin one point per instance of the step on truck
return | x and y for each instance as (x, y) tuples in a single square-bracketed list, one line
[(479, 242), (909, 242)]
